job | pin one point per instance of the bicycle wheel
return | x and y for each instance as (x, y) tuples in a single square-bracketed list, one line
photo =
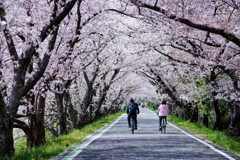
[(163, 122)]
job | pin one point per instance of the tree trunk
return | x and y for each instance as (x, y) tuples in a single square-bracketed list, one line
[(61, 114), (82, 118), (71, 111), (34, 130), (90, 90), (73, 115), (217, 124), (205, 121), (38, 130), (6, 136), (194, 115), (234, 127), (96, 112), (216, 115), (187, 111)]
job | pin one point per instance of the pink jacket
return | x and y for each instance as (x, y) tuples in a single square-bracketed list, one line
[(163, 110)]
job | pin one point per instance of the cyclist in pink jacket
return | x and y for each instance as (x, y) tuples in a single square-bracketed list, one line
[(162, 112)]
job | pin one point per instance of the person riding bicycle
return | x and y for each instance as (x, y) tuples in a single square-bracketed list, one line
[(162, 112), (132, 111)]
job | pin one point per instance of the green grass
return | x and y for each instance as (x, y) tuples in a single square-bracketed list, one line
[(220, 138), (55, 146)]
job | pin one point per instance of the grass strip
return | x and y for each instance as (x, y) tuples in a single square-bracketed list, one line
[(55, 146)]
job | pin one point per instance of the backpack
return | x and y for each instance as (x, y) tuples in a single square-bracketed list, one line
[(132, 108)]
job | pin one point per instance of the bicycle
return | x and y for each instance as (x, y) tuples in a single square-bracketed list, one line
[(133, 123), (164, 125)]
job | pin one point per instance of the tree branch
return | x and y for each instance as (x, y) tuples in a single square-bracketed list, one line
[(229, 36), (56, 21), (9, 40), (176, 60)]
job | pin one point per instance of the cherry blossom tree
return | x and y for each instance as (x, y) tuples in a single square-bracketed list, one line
[(207, 31), (21, 51), (77, 60), (43, 20)]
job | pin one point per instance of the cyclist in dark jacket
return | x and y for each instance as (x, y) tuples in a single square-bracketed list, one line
[(132, 113)]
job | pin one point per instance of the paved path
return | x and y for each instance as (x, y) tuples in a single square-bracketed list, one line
[(115, 141)]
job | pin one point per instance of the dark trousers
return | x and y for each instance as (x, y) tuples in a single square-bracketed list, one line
[(134, 118)]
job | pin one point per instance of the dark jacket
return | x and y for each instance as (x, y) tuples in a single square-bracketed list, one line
[(129, 106)]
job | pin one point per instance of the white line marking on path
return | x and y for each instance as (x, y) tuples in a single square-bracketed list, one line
[(79, 148), (210, 146)]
